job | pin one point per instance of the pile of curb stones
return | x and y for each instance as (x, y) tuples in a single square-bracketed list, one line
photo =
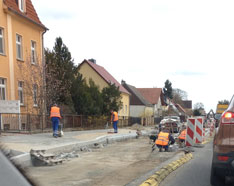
[(40, 158)]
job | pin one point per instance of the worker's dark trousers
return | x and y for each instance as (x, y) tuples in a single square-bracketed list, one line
[(55, 122), (161, 146), (115, 126)]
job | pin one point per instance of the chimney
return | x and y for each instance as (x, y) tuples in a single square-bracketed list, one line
[(92, 60), (123, 82)]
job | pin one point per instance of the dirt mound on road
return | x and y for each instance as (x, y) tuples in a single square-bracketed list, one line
[(137, 127)]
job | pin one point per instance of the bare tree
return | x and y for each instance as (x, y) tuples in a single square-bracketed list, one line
[(31, 76), (178, 96)]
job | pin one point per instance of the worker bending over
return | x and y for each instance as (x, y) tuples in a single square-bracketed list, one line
[(164, 140), (182, 137)]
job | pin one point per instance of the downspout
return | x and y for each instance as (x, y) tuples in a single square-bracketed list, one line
[(44, 110)]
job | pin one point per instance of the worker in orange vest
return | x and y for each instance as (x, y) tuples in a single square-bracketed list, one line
[(55, 117), (114, 120), (164, 140), (182, 137)]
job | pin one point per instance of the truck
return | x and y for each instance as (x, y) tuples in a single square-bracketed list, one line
[(172, 123), (219, 111)]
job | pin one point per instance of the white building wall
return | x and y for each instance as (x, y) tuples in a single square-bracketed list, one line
[(158, 108), (137, 110), (141, 111)]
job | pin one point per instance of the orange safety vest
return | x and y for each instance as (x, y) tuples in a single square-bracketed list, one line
[(183, 135), (115, 115), (163, 139), (55, 112)]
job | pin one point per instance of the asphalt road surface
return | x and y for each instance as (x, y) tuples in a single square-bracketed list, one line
[(196, 172)]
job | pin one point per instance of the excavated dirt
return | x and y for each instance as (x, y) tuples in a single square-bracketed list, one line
[(112, 165)]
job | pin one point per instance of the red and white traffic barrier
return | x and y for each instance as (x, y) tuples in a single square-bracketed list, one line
[(212, 128), (199, 130), (204, 134), (190, 132)]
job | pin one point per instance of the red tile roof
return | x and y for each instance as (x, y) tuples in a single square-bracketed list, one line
[(30, 13), (106, 75), (151, 94), (180, 108)]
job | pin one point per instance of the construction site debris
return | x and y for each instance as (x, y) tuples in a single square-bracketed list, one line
[(139, 133), (86, 149), (40, 158), (68, 156), (137, 126)]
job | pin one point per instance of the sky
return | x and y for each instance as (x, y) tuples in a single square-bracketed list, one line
[(146, 42)]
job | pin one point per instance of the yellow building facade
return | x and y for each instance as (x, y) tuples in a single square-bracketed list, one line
[(21, 51), (102, 78)]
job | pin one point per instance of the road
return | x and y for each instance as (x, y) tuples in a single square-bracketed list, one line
[(195, 172), (116, 164)]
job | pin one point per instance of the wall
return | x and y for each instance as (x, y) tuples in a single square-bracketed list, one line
[(4, 65), (88, 72), (141, 111), (158, 108), (9, 66), (125, 111)]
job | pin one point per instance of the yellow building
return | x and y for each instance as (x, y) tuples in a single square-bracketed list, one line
[(102, 78), (21, 51)]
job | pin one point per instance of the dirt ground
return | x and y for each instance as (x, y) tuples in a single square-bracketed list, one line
[(113, 165)]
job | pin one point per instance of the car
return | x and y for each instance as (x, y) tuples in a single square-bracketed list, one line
[(223, 148), (217, 119)]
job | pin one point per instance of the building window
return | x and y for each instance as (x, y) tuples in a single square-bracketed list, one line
[(19, 49), (20, 92), (2, 89), (34, 95), (1, 41), (33, 52), (21, 5), (126, 109)]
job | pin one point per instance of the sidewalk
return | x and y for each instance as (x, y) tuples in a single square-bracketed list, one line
[(20, 144)]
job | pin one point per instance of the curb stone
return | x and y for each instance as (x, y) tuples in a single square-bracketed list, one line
[(25, 160), (207, 140), (160, 175)]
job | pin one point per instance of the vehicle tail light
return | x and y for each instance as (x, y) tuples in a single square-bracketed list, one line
[(228, 118), (222, 158)]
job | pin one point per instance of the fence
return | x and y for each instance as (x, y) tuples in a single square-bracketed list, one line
[(30, 123)]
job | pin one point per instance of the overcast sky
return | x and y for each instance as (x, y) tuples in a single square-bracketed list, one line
[(146, 42)]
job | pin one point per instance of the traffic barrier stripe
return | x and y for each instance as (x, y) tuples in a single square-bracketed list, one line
[(190, 132), (199, 129)]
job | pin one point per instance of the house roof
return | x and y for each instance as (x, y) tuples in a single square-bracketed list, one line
[(136, 97), (30, 13), (151, 94), (187, 104), (180, 108), (105, 75)]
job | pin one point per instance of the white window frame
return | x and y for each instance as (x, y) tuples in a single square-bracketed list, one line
[(21, 5), (2, 89), (2, 40), (21, 92), (19, 47), (33, 52), (35, 89)]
